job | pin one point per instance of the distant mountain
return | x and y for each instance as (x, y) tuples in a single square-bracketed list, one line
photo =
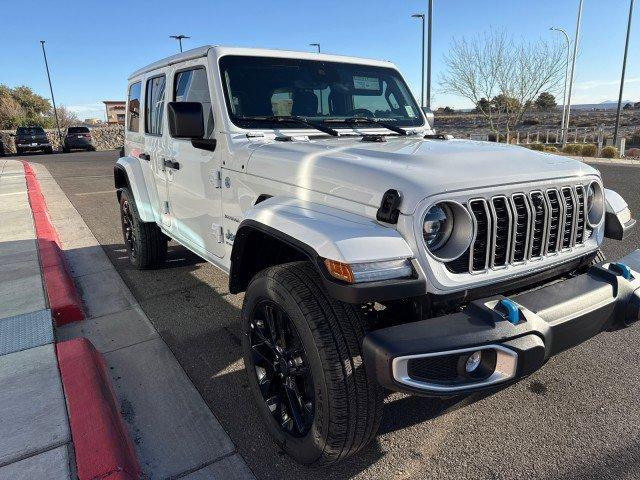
[(607, 105)]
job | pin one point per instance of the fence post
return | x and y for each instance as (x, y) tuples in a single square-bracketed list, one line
[(517, 138), (528, 138), (575, 138), (538, 136), (547, 139)]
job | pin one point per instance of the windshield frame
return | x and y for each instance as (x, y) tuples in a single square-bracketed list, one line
[(245, 124)]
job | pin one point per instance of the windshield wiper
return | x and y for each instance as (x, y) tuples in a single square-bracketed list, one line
[(374, 121), (293, 119)]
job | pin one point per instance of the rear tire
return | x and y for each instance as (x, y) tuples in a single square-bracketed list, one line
[(346, 401), (66, 150), (146, 245), (19, 151), (48, 150)]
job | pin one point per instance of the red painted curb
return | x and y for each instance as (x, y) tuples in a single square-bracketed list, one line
[(100, 438), (64, 300)]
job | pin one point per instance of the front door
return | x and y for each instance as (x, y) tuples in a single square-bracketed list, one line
[(195, 196)]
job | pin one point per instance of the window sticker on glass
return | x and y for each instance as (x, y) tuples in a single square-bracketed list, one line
[(409, 110), (366, 83)]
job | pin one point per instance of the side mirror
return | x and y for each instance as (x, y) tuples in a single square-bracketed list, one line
[(186, 120)]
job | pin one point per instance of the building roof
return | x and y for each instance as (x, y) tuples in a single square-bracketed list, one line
[(107, 102), (220, 51)]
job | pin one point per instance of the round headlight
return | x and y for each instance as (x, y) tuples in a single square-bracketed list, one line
[(438, 225), (447, 230), (595, 204)]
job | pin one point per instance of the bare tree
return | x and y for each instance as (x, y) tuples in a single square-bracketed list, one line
[(500, 76)]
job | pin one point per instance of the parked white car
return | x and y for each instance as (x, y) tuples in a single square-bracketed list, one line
[(372, 252)]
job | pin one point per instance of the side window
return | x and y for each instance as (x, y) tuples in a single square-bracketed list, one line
[(191, 86), (133, 125), (154, 105)]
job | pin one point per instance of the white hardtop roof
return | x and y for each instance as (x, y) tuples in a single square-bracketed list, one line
[(219, 51)]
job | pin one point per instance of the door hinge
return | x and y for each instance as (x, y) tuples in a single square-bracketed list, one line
[(216, 178), (219, 232), (165, 207)]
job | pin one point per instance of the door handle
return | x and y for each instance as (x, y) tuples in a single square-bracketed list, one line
[(144, 156), (171, 164)]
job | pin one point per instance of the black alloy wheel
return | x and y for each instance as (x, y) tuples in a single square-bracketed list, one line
[(128, 230), (281, 368)]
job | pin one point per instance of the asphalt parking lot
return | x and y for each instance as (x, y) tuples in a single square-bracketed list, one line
[(576, 418)]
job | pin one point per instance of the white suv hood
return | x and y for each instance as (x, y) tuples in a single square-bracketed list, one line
[(360, 171)]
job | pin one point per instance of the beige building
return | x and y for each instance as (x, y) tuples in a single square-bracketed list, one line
[(115, 111)]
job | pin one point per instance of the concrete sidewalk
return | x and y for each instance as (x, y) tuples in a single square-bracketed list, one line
[(35, 439), (175, 433)]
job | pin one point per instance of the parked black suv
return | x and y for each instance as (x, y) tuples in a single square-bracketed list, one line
[(30, 139), (78, 138)]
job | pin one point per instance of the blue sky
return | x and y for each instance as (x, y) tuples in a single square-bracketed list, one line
[(93, 45)]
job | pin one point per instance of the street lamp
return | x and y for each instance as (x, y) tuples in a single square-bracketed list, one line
[(53, 100), (566, 76), (624, 68), (573, 71), (430, 12), (179, 38), (315, 45), (421, 17)]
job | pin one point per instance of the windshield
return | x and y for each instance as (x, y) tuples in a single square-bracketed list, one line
[(30, 131), (257, 88)]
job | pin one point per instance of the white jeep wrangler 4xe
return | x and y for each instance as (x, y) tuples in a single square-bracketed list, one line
[(373, 253)]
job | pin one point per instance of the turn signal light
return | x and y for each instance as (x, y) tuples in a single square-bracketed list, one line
[(370, 271), (339, 270)]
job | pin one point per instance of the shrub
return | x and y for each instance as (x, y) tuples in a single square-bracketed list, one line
[(589, 150), (572, 149), (635, 138), (633, 153), (610, 152), (537, 147), (529, 122), (550, 148)]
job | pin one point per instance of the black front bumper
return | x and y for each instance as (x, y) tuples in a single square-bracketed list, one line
[(547, 321)]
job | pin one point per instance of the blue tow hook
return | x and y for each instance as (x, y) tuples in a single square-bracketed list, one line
[(513, 312), (622, 269)]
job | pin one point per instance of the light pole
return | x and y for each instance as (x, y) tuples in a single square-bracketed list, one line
[(573, 71), (53, 100), (429, 55), (421, 17), (317, 45), (624, 68), (566, 76), (179, 38)]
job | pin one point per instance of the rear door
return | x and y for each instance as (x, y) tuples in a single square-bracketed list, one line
[(195, 187), (156, 143)]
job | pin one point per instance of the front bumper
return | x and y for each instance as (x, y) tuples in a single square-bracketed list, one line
[(31, 146), (517, 336)]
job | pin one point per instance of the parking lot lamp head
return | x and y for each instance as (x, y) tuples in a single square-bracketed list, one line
[(317, 45), (179, 38)]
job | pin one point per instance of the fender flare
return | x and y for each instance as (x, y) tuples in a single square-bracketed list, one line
[(318, 232), (618, 220), (127, 172)]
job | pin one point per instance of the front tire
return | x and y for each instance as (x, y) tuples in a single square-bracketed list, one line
[(146, 245), (307, 355)]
